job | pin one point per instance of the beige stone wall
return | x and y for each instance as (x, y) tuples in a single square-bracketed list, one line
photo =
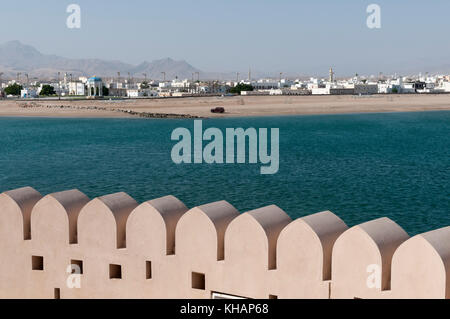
[(161, 249)]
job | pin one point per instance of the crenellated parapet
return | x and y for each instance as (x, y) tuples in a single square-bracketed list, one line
[(65, 245)]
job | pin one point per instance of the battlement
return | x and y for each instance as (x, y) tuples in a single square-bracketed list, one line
[(162, 249)]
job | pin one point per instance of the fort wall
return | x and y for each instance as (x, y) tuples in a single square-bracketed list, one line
[(65, 245)]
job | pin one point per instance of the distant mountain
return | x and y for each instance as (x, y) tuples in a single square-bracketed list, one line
[(16, 57), (172, 68)]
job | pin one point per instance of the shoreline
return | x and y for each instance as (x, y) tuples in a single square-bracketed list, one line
[(100, 117), (235, 107)]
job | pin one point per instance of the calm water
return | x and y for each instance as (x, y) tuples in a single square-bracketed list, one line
[(360, 166)]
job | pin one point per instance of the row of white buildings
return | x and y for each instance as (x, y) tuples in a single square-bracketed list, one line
[(352, 86), (97, 87)]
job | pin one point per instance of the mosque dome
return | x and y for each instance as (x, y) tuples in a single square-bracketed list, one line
[(95, 79)]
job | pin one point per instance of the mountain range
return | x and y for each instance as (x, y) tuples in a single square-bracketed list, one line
[(16, 57)]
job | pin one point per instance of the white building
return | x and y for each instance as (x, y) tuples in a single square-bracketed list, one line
[(384, 88), (28, 93), (83, 79), (265, 84), (428, 88), (165, 85), (285, 83), (445, 86), (180, 84), (288, 91), (333, 90), (320, 90), (408, 87), (95, 86), (77, 88), (393, 85), (135, 93)]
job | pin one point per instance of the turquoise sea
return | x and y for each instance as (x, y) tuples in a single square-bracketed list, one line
[(360, 166)]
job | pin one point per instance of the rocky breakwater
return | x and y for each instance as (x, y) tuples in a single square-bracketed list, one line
[(32, 105)]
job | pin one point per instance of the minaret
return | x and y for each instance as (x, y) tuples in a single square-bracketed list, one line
[(331, 75)]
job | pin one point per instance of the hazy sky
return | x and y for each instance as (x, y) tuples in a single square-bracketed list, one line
[(291, 36)]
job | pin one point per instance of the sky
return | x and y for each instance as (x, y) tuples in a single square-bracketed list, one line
[(291, 36)]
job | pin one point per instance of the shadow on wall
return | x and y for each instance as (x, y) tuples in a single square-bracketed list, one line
[(64, 245)]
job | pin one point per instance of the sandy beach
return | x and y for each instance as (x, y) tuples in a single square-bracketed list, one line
[(236, 106)]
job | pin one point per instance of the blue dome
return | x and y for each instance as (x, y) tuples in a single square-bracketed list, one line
[(95, 79)]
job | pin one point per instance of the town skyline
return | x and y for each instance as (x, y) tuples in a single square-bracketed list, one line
[(19, 59)]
